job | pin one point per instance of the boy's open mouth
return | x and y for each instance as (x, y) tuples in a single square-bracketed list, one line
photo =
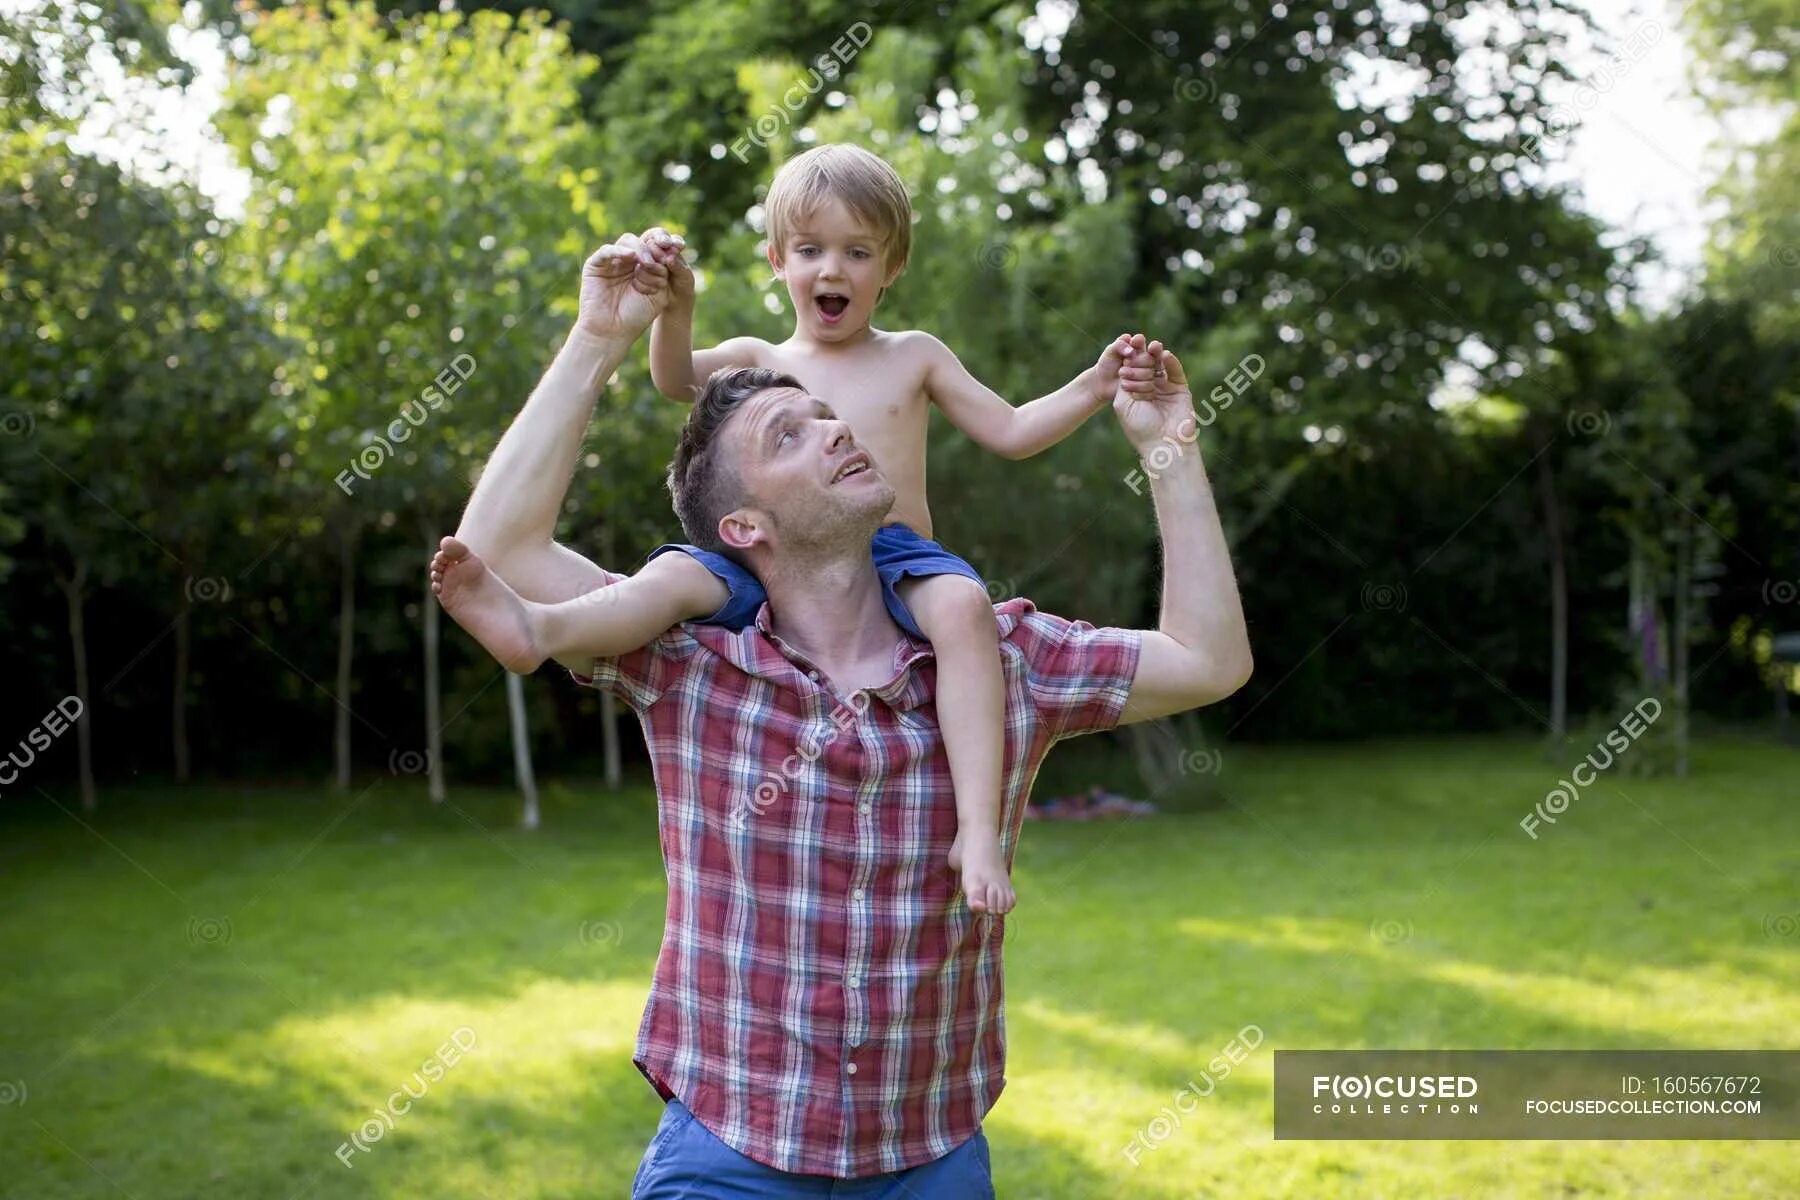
[(831, 306)]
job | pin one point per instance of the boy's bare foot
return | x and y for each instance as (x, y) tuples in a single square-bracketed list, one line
[(482, 603), (985, 883)]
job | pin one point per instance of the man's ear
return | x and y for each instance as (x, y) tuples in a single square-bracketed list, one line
[(742, 528)]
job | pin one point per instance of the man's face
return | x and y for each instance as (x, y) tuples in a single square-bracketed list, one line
[(807, 481)]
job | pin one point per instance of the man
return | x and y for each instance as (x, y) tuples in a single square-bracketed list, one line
[(824, 1007)]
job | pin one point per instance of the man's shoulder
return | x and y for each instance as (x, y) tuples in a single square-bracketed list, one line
[(1078, 675), (1021, 623)]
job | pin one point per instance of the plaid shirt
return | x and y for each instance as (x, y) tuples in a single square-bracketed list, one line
[(824, 1001)]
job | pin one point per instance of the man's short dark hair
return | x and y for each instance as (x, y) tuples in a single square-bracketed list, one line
[(702, 479)]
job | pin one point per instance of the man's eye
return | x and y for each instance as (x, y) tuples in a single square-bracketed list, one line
[(787, 435)]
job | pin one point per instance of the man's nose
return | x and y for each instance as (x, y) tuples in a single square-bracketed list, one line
[(837, 436)]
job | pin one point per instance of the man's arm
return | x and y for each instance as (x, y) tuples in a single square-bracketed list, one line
[(511, 517), (1200, 651), (985, 417)]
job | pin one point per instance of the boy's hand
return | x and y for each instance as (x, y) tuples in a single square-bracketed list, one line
[(666, 248), (1106, 368)]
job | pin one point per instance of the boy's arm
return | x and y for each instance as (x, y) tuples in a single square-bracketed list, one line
[(988, 420), (615, 620), (676, 368)]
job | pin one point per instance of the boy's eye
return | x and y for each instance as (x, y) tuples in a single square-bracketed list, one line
[(808, 251), (859, 253)]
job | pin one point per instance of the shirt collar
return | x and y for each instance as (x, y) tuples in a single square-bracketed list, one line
[(761, 652)]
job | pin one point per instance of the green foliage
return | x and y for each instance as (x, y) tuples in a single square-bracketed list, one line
[(1751, 59), (406, 216)]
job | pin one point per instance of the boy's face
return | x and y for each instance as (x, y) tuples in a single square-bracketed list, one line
[(832, 265)]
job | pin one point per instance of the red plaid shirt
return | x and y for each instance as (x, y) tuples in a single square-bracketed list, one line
[(824, 1000)]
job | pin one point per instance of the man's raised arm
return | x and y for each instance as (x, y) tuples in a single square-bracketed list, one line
[(1200, 651), (511, 517)]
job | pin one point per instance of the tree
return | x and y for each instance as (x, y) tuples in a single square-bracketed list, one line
[(406, 217)]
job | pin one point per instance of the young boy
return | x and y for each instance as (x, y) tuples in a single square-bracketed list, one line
[(839, 229)]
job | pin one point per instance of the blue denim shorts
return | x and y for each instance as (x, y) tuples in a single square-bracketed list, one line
[(686, 1160), (899, 552)]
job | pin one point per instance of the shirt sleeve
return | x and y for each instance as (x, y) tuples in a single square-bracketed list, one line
[(639, 678), (1080, 674)]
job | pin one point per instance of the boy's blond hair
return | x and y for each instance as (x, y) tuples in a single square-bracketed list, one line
[(866, 184)]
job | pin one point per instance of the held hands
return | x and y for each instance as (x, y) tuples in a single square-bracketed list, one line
[(1153, 403), (666, 247), (626, 283)]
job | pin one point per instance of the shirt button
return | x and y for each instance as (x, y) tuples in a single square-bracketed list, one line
[(857, 894), (813, 675), (851, 1068), (863, 807), (852, 981)]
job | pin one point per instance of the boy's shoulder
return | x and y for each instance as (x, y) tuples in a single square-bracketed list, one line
[(912, 342)]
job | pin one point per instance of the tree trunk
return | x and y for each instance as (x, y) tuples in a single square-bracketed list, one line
[(521, 740), (1559, 600), (178, 733), (340, 780), (434, 723), (1684, 583), (74, 589)]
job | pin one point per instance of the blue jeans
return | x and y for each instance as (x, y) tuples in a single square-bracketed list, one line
[(686, 1161)]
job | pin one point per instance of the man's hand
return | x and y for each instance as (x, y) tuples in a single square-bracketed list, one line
[(1153, 403), (623, 288), (667, 249)]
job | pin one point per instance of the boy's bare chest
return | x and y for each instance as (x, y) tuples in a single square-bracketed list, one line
[(870, 391)]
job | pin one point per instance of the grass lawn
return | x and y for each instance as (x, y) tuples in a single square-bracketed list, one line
[(206, 993)]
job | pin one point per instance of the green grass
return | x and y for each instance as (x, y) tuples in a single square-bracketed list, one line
[(1377, 896)]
